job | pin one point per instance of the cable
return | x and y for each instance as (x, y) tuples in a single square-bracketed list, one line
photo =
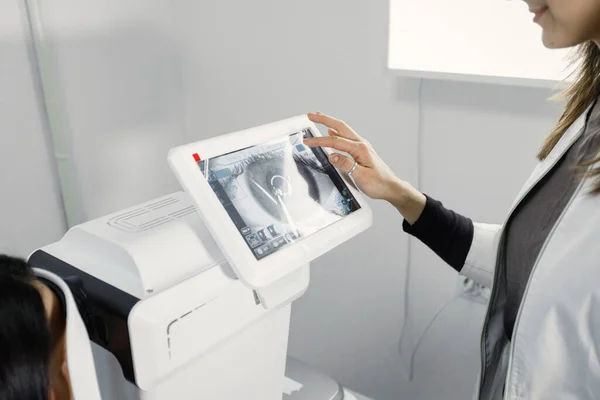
[(471, 292), (409, 241), (414, 354)]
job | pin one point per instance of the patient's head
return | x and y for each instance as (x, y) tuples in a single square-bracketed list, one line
[(33, 363)]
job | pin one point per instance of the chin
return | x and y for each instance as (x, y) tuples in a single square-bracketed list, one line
[(554, 41), (551, 42)]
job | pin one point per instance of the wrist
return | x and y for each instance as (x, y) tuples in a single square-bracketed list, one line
[(398, 193), (407, 200)]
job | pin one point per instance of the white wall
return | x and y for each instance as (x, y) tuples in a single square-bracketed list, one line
[(29, 203), (112, 69)]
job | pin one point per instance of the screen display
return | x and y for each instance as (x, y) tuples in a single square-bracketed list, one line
[(279, 192)]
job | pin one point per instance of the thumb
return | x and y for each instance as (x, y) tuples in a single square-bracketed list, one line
[(341, 162)]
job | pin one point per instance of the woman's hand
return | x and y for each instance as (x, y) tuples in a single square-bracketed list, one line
[(371, 174)]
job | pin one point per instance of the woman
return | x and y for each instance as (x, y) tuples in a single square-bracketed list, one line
[(37, 361), (541, 336)]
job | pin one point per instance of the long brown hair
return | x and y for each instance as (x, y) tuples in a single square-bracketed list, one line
[(579, 95)]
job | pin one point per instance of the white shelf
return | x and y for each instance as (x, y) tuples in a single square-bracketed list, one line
[(488, 41), (472, 78)]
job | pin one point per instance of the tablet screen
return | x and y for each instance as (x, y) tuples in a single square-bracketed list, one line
[(279, 192)]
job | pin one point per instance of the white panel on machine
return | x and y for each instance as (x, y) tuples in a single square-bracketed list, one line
[(140, 241)]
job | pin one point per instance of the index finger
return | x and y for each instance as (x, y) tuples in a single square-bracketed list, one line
[(337, 143), (341, 127)]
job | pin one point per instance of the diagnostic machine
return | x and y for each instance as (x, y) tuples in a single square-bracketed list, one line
[(188, 296)]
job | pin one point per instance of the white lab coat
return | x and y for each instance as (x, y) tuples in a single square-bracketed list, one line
[(82, 371), (555, 349)]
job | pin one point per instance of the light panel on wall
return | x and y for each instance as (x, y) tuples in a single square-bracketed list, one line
[(474, 40)]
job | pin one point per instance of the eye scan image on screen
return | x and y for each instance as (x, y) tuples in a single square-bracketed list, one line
[(279, 192)]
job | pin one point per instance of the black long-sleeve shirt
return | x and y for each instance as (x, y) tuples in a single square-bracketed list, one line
[(445, 232)]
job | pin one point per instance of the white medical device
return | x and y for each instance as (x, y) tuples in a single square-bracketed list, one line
[(168, 316), (272, 203), (162, 299)]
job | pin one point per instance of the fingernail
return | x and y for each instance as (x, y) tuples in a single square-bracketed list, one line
[(320, 113), (335, 158)]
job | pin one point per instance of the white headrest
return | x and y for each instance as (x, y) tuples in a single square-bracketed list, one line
[(82, 371)]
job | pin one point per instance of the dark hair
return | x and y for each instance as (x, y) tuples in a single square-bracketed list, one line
[(25, 339)]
